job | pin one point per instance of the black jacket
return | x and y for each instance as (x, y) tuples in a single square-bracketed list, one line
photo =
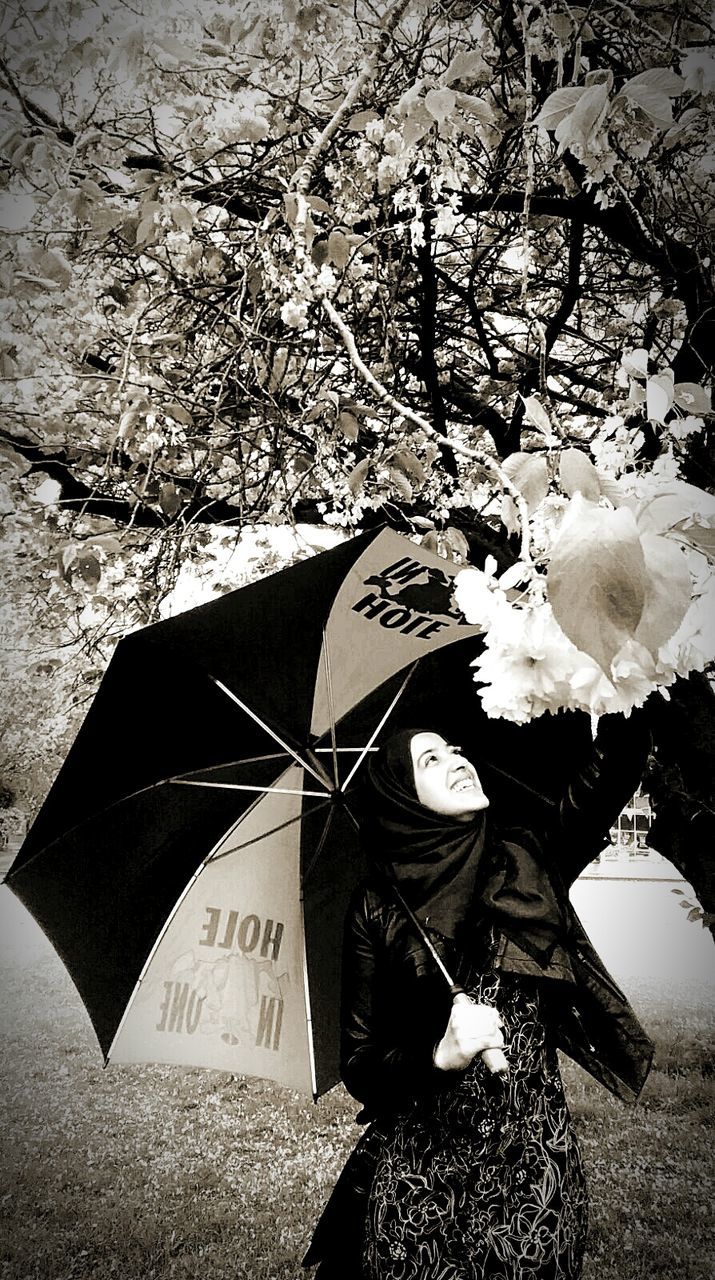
[(396, 1004)]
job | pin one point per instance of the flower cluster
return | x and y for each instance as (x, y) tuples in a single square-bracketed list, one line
[(530, 666)]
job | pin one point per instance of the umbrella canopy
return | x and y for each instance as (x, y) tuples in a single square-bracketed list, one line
[(192, 862)]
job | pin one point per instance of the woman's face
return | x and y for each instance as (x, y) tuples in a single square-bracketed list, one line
[(444, 781)]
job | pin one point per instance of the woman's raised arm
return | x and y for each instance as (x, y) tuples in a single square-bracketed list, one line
[(598, 793)]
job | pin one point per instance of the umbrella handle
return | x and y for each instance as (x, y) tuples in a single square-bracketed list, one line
[(494, 1059)]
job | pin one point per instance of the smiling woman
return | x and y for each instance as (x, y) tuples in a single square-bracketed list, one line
[(445, 781), (466, 1166)]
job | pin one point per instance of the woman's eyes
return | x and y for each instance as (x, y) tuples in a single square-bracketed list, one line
[(432, 757)]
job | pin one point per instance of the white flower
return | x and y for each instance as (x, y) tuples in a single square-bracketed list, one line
[(294, 314), (478, 598), (529, 666), (682, 428), (327, 279), (526, 665)]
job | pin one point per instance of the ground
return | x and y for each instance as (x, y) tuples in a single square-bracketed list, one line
[(151, 1173)]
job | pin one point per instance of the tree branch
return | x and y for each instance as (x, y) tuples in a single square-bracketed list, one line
[(428, 301)]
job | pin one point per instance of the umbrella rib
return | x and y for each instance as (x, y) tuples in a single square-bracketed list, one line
[(237, 848), (240, 786), (271, 732), (375, 732), (331, 703)]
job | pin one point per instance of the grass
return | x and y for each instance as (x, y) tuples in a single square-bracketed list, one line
[(149, 1173)]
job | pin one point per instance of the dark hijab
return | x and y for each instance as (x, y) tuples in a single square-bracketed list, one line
[(448, 872)]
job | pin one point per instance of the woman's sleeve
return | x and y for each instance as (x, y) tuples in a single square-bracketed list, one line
[(386, 1058), (598, 793)]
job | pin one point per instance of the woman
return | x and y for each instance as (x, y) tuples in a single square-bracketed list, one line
[(463, 1171)]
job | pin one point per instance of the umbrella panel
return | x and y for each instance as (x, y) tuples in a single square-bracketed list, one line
[(225, 985)]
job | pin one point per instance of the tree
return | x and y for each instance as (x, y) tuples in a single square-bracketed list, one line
[(445, 265)]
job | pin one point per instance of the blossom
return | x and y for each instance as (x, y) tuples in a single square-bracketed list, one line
[(526, 665), (294, 314), (478, 594), (682, 428), (529, 665)]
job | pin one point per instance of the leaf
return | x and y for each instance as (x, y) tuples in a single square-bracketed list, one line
[(456, 542), (580, 124), (318, 204), (700, 536), (465, 66), (692, 397), (357, 476), (349, 425), (610, 488), (577, 474), (88, 568), (557, 106), (65, 561), (400, 482), (12, 463), (339, 249), (635, 363), (182, 217), (476, 107), (302, 463), (680, 503), (655, 105), (440, 103), (108, 543), (408, 462), (510, 515), (53, 265), (360, 120), (669, 591), (146, 230), (659, 396), (278, 368), (530, 474), (290, 207), (319, 252), (597, 579), (415, 128), (538, 417), (431, 541), (660, 79), (169, 499), (179, 414)]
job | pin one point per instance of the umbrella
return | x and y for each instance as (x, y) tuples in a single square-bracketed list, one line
[(193, 860)]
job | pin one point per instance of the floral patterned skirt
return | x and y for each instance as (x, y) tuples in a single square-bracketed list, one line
[(484, 1182)]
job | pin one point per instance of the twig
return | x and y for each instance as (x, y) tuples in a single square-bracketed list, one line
[(462, 450), (300, 185), (303, 175)]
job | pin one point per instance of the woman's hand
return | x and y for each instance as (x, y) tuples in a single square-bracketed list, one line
[(471, 1029)]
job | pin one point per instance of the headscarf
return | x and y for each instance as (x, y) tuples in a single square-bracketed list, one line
[(448, 872), (434, 859)]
